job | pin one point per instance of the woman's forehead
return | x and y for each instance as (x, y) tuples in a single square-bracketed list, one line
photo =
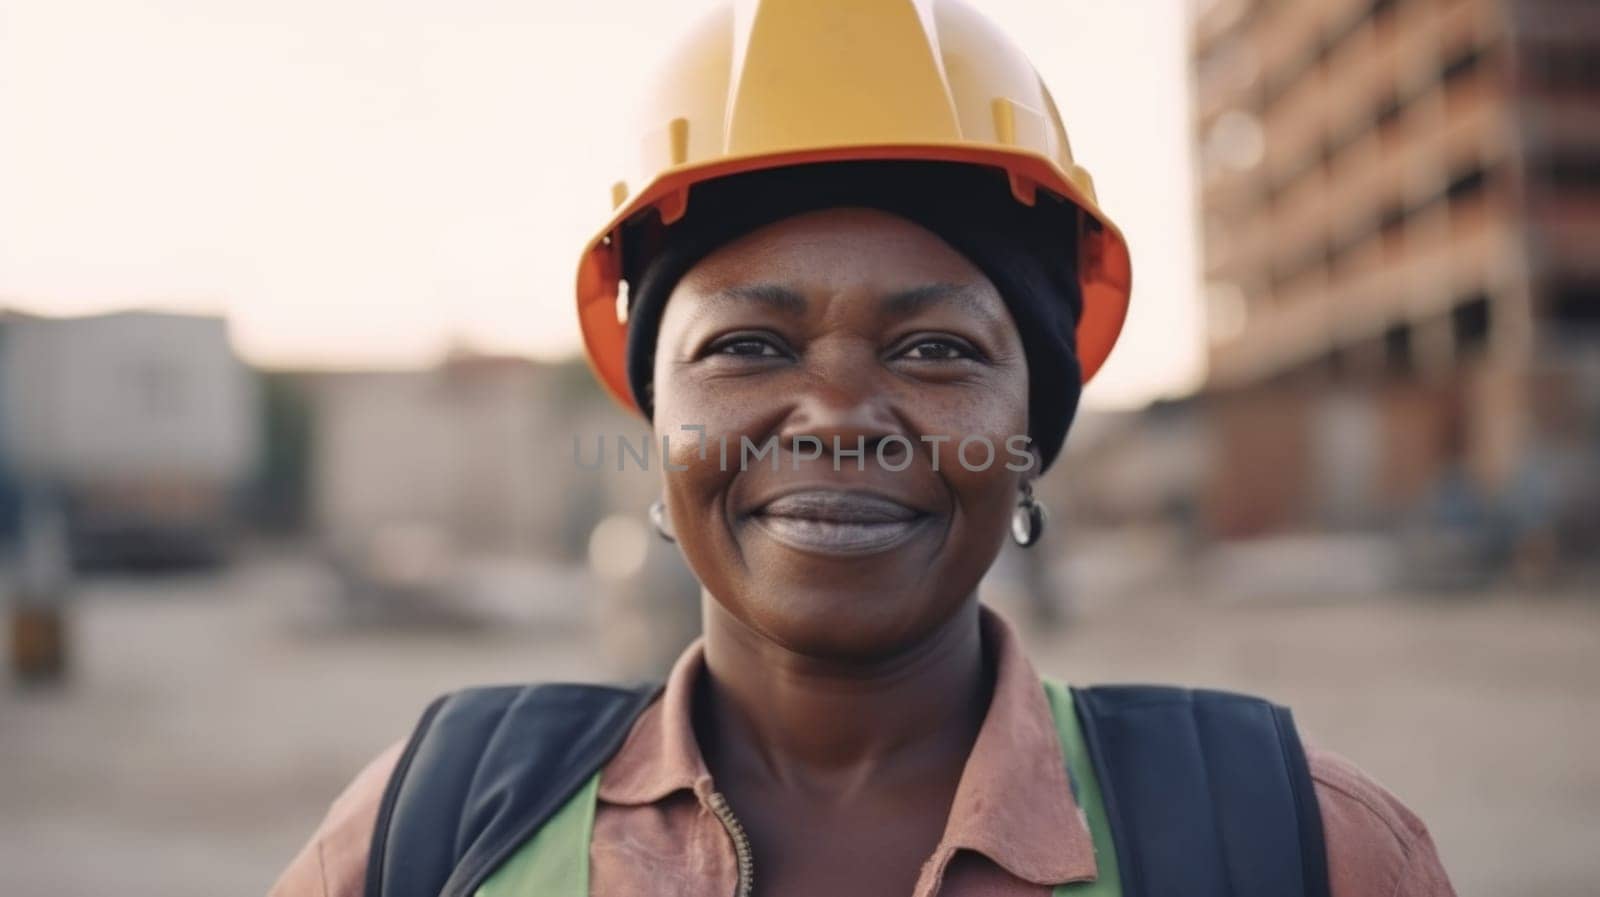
[(863, 238), (836, 251)]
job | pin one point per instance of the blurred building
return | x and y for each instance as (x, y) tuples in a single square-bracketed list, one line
[(417, 477), (140, 427), (1400, 204)]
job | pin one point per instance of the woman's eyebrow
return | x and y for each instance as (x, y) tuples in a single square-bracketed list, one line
[(962, 296), (777, 297)]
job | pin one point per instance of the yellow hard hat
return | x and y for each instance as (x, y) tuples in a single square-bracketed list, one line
[(768, 83)]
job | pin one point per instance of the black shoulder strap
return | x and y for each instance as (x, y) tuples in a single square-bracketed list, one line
[(1207, 792), (458, 803)]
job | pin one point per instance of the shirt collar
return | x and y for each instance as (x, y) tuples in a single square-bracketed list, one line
[(660, 755), (1013, 804)]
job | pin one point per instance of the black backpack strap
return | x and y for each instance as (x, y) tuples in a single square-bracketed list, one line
[(1207, 792), (484, 769)]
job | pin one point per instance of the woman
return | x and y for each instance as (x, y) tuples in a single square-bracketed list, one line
[(866, 284)]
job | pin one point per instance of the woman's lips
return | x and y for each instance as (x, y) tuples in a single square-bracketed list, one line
[(837, 522)]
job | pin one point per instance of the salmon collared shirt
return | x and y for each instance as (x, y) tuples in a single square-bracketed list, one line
[(1014, 829)]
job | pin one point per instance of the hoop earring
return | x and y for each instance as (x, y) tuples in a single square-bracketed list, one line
[(658, 520), (1028, 520)]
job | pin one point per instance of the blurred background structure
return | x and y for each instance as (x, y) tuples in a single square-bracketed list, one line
[(1349, 458), (140, 426), (1400, 203)]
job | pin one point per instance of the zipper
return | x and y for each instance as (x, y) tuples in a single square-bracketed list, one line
[(741, 842)]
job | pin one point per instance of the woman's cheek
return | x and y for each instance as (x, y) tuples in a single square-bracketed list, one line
[(701, 448), (976, 442), (710, 437)]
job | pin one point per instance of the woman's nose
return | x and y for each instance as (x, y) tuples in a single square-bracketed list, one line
[(844, 413)]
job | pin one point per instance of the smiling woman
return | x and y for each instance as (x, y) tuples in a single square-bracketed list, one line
[(786, 551), (873, 257)]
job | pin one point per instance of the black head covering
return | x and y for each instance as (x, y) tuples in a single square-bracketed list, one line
[(1028, 253)]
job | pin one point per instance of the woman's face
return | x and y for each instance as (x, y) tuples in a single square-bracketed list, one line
[(847, 328)]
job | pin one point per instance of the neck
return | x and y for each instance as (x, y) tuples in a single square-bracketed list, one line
[(832, 724)]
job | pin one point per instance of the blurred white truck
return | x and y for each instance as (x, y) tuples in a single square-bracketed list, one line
[(142, 425)]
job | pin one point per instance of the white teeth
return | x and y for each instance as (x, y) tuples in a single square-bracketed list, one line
[(834, 536)]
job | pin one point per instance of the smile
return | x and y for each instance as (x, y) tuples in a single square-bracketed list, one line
[(834, 522)]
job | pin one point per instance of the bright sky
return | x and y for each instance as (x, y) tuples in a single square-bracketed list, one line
[(366, 182)]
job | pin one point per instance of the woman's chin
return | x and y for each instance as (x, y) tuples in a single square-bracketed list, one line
[(846, 620), (846, 592)]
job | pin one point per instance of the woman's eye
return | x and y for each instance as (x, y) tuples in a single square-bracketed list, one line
[(938, 350), (747, 346)]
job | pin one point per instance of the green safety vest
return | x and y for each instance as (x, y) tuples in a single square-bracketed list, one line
[(555, 861)]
